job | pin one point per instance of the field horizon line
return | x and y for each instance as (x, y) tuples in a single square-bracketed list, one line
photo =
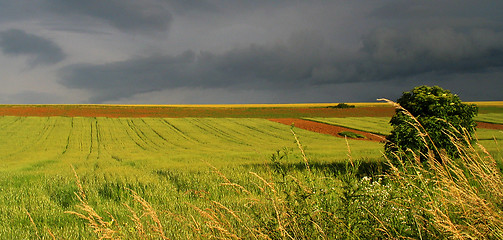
[(245, 105)]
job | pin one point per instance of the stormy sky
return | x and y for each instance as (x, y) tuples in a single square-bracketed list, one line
[(246, 51)]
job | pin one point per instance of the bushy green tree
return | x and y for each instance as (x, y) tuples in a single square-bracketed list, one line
[(439, 113)]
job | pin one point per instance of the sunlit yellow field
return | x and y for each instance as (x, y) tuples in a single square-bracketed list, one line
[(173, 163)]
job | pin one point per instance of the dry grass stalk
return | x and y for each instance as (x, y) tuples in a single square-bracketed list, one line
[(33, 223), (466, 201), (266, 183), (216, 222), (299, 145), (301, 185), (383, 228), (349, 155), (217, 217), (79, 184), (288, 227), (152, 213), (51, 234), (227, 181), (471, 186), (140, 230), (101, 227)]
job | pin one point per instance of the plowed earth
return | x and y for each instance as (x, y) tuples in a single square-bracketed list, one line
[(489, 125), (335, 130), (197, 112), (327, 129), (284, 115)]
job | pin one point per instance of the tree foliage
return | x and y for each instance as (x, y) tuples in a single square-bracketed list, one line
[(439, 113)]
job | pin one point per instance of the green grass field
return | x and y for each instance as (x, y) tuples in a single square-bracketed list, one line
[(378, 125), (159, 157), (177, 166), (490, 118), (46, 143)]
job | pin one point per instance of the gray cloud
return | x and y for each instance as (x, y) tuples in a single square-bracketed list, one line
[(254, 67), (303, 62), (388, 54), (32, 97), (127, 15), (445, 13), (17, 10), (122, 79), (43, 51), (192, 5), (316, 50)]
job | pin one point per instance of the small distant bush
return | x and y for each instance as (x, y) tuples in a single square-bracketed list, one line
[(351, 134), (342, 105)]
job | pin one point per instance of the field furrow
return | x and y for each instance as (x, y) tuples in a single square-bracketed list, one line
[(92, 140), (183, 157), (133, 135), (45, 136), (255, 128), (173, 125), (377, 125), (149, 134), (171, 138), (242, 133), (7, 121), (30, 132), (219, 134), (87, 141), (68, 137)]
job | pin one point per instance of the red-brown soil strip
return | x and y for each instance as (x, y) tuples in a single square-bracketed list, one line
[(327, 128), (490, 125), (176, 112)]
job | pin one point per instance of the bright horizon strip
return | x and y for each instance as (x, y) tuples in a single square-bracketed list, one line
[(252, 105)]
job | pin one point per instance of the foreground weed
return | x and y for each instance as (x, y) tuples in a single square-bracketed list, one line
[(102, 228), (148, 211), (301, 204), (458, 198), (454, 197), (33, 224)]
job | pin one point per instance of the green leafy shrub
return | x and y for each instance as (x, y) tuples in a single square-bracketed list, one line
[(452, 196), (433, 110)]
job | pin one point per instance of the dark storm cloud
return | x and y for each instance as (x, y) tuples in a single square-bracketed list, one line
[(191, 5), (303, 62), (126, 15), (123, 79), (451, 13), (254, 67), (31, 97), (388, 54), (244, 46), (43, 51), (17, 10)]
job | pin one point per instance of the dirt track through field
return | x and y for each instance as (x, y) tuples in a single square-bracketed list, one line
[(490, 125), (327, 128), (335, 130)]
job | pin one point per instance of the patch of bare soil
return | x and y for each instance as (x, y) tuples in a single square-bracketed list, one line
[(327, 128), (171, 111), (489, 125)]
